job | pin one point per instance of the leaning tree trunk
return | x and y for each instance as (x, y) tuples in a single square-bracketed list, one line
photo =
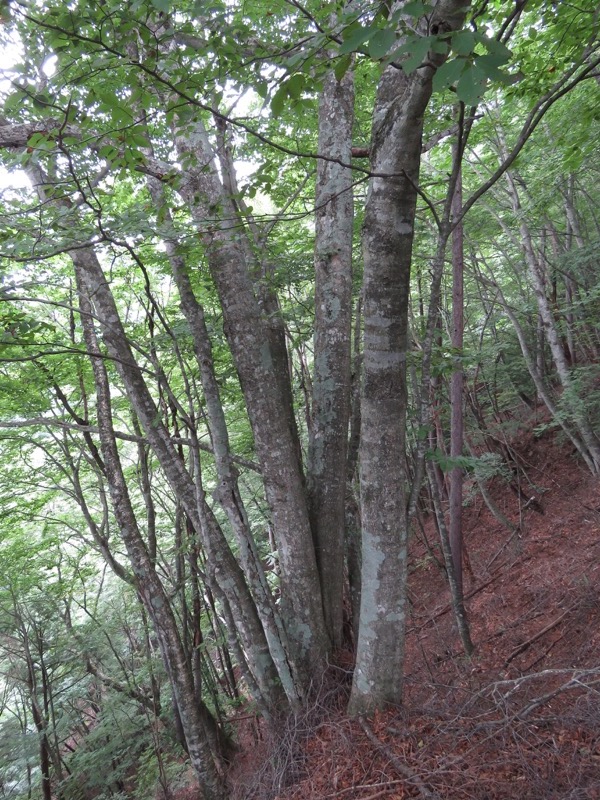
[(387, 244), (249, 339), (573, 403), (223, 572), (196, 724), (228, 492)]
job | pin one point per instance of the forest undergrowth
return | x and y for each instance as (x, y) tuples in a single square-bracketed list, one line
[(521, 718)]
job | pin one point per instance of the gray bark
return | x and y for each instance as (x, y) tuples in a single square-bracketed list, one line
[(542, 390), (224, 572), (456, 594), (387, 241), (328, 442), (456, 395), (249, 338), (228, 493), (588, 437)]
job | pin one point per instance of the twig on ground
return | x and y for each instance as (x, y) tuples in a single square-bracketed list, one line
[(497, 574), (521, 648), (516, 532), (403, 769), (501, 691), (377, 794), (574, 683), (358, 787)]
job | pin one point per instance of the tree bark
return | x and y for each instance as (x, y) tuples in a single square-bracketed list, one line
[(250, 343), (224, 573), (387, 244), (227, 492), (328, 442), (456, 392), (588, 436)]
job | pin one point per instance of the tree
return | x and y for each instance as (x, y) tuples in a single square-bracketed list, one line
[(171, 331)]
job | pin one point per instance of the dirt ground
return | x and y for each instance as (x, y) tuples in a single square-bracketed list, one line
[(521, 718)]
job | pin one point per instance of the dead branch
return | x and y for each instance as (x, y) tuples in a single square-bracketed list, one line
[(501, 691), (538, 635), (497, 574), (403, 769), (386, 786), (570, 685)]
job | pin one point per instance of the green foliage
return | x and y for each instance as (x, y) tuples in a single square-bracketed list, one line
[(447, 464), (112, 752), (161, 771)]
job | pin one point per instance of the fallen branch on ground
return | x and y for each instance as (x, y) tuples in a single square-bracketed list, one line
[(522, 647), (403, 769)]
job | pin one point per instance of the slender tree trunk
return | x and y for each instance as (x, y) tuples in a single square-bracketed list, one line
[(228, 493), (387, 243), (39, 720), (589, 438), (327, 449), (352, 513), (456, 594), (249, 339), (487, 498), (542, 390), (222, 566), (456, 392), (194, 718)]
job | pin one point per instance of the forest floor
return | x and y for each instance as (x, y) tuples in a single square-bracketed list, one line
[(521, 718)]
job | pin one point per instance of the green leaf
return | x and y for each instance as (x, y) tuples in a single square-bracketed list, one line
[(471, 86), (416, 49), (448, 74), (295, 85), (107, 97), (342, 65), (139, 140), (108, 152), (43, 100), (447, 463), (36, 139), (278, 101), (440, 46), (380, 44), (292, 62), (463, 42), (494, 46), (162, 5), (489, 65), (262, 89), (416, 8), (356, 38)]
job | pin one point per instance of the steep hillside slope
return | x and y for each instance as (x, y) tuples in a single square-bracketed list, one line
[(521, 719)]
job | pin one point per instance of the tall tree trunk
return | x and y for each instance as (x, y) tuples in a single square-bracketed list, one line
[(223, 571), (589, 438), (387, 242), (542, 390), (228, 493), (328, 442), (456, 392), (456, 594), (39, 719), (249, 340)]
